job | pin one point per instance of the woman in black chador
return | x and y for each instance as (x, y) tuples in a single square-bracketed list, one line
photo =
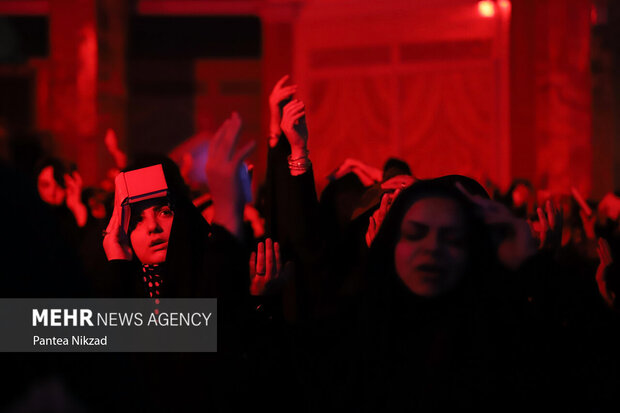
[(425, 339), (168, 250)]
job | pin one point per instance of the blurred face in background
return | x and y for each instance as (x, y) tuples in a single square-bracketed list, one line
[(431, 256), (521, 196), (50, 191), (149, 239)]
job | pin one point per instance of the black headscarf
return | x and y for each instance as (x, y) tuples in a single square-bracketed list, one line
[(184, 268), (419, 350)]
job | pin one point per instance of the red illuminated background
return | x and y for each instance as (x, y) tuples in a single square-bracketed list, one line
[(490, 89)]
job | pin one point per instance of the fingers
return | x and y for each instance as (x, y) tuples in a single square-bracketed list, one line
[(604, 251), (551, 214), (260, 259), (265, 262), (372, 225), (276, 248), (293, 118), (77, 178), (218, 137), (252, 265), (69, 181), (372, 231), (282, 81), (280, 92), (478, 200), (244, 152), (582, 203), (294, 106), (383, 207), (225, 140), (114, 224), (465, 192), (269, 257), (544, 225), (286, 92)]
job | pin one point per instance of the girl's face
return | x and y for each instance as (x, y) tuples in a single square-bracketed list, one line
[(150, 237), (431, 255)]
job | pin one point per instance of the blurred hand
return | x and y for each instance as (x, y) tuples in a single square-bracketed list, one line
[(111, 143), (589, 222), (279, 94), (367, 174), (512, 236), (398, 182), (377, 217), (265, 266), (187, 163), (609, 207), (73, 199), (549, 227), (604, 254), (223, 175)]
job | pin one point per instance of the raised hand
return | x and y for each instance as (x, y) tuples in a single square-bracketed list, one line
[(293, 125), (589, 223), (550, 223), (514, 241), (367, 175), (398, 182), (265, 266), (609, 207), (279, 95), (223, 172), (115, 242), (111, 143), (73, 183), (604, 254), (377, 217)]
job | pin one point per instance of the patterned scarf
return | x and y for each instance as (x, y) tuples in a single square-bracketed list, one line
[(153, 280)]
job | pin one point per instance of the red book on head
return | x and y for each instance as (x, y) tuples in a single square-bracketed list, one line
[(139, 185)]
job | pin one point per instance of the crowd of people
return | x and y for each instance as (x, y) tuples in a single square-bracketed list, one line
[(386, 293)]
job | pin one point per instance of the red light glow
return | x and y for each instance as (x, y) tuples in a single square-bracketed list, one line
[(504, 4), (593, 15), (486, 8)]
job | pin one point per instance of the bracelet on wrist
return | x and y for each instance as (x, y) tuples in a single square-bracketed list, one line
[(299, 164)]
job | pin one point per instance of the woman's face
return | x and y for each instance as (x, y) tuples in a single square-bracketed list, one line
[(150, 237), (431, 255), (49, 190)]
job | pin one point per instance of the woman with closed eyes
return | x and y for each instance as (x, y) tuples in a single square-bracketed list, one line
[(425, 340)]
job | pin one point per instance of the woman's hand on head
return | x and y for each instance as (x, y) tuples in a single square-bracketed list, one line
[(377, 217), (115, 241), (223, 175), (513, 238)]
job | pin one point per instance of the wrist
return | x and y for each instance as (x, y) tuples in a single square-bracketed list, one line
[(299, 151), (299, 163), (273, 139)]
